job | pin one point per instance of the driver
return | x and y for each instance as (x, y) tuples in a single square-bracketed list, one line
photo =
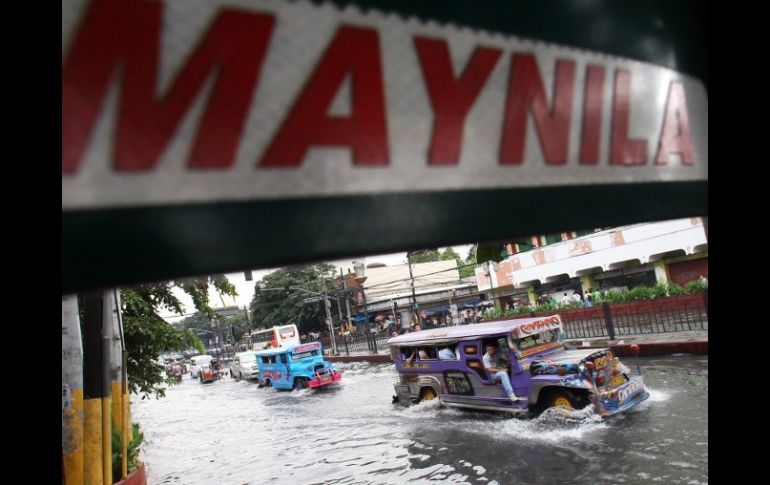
[(491, 363)]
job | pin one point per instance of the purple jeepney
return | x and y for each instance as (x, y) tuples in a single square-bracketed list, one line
[(447, 363)]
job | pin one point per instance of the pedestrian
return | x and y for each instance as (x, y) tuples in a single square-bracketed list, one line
[(577, 298), (704, 280)]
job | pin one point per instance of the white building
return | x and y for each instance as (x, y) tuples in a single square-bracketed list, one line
[(621, 257)]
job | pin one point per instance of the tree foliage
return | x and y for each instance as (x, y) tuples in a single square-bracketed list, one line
[(423, 255), (468, 268), (276, 303), (148, 336)]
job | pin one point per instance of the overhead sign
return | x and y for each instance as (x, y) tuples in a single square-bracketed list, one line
[(196, 101), (313, 299)]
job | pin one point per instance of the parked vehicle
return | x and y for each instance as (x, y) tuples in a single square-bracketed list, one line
[(244, 366), (539, 367), (296, 367)]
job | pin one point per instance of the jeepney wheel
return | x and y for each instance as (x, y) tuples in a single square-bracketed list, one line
[(240, 376), (231, 375), (562, 398), (300, 383), (428, 394)]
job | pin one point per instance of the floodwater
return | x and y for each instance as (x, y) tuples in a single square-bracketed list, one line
[(232, 432)]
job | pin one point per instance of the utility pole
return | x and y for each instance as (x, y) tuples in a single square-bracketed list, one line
[(327, 305), (339, 310), (347, 300), (414, 298)]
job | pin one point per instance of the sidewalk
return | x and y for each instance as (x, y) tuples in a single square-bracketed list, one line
[(692, 342)]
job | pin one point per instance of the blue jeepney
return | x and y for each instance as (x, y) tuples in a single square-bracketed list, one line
[(295, 367)]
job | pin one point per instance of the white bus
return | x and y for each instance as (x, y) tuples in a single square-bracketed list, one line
[(279, 336)]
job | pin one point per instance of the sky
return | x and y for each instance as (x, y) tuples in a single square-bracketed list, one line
[(245, 288)]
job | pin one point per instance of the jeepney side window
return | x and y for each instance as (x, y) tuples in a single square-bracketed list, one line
[(283, 358), (272, 359), (427, 353), (265, 360)]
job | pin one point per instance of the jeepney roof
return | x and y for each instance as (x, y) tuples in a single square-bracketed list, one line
[(524, 326)]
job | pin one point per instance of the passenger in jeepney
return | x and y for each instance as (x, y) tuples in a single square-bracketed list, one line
[(420, 353), (447, 353), (492, 364)]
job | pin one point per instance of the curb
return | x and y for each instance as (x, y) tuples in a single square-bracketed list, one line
[(663, 348), (375, 358)]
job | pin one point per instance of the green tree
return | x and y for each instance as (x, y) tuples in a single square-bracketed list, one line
[(286, 306), (468, 267), (148, 336), (490, 252), (236, 325), (423, 255), (196, 321)]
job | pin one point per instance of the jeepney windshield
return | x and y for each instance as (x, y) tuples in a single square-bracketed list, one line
[(525, 346), (304, 355)]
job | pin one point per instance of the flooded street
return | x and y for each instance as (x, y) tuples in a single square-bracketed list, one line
[(234, 433)]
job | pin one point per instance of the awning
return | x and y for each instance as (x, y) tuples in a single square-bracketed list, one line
[(436, 310)]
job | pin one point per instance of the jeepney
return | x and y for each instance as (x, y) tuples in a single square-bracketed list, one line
[(447, 364)]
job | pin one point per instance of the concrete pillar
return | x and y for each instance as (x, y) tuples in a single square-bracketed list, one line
[(586, 282), (72, 393), (661, 272), (532, 296)]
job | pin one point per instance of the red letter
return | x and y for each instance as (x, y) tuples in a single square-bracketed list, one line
[(526, 92), (126, 34), (622, 150), (675, 134), (451, 99), (592, 115), (355, 51)]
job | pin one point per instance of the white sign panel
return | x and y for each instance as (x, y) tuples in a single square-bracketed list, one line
[(200, 101)]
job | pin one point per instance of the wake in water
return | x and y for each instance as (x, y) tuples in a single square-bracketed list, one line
[(553, 425)]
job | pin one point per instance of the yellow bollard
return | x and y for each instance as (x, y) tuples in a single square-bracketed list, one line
[(92, 442)]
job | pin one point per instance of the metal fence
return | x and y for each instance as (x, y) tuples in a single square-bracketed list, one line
[(662, 315), (366, 343)]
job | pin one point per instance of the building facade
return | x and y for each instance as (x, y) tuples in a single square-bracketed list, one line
[(623, 257)]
